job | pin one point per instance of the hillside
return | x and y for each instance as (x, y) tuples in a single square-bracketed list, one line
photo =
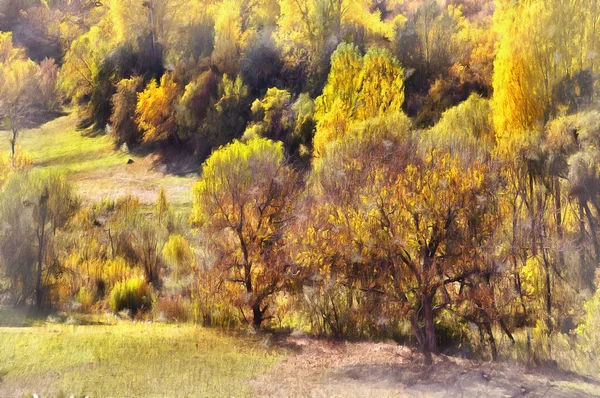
[(99, 170)]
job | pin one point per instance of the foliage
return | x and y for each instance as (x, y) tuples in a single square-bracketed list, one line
[(154, 111), (357, 89), (124, 104), (226, 119), (244, 196), (33, 207), (19, 90), (133, 294)]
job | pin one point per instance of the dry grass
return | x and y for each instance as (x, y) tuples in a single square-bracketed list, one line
[(366, 369)]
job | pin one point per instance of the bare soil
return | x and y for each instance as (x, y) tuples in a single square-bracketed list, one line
[(319, 368)]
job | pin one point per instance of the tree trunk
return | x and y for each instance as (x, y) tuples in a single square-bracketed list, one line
[(257, 315), (421, 338), (559, 227), (13, 141), (587, 270), (430, 340), (592, 224), (492, 341), (40, 259)]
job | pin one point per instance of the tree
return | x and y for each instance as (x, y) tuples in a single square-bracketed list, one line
[(19, 92), (273, 115), (261, 65), (413, 228), (34, 207), (154, 111), (357, 89), (82, 62), (198, 98), (124, 103), (227, 118), (48, 75), (228, 38), (245, 198)]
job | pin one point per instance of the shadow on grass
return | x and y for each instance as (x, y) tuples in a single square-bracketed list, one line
[(21, 316), (41, 118)]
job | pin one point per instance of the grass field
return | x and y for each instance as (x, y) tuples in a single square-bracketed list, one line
[(128, 360), (98, 169)]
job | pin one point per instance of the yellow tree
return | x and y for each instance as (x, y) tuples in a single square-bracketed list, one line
[(540, 45), (244, 198), (228, 37), (155, 114), (19, 88), (412, 227), (357, 89), (82, 63)]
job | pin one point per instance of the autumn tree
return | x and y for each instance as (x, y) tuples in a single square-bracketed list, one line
[(226, 119), (357, 89), (199, 96), (245, 198), (154, 111), (19, 88), (413, 228), (277, 116), (124, 103), (228, 38)]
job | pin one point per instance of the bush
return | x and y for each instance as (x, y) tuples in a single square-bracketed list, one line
[(173, 309), (85, 298), (133, 294)]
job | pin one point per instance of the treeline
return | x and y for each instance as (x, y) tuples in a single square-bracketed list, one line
[(373, 169), (197, 74)]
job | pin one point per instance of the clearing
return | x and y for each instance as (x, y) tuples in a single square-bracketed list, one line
[(126, 359), (100, 171)]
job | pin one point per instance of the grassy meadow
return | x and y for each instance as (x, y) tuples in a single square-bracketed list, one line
[(99, 170), (127, 360)]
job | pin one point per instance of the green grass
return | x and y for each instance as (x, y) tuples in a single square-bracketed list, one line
[(58, 146), (140, 360), (98, 169)]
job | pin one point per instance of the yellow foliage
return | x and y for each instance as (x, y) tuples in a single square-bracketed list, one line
[(155, 114), (357, 89)]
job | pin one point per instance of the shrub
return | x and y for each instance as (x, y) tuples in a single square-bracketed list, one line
[(133, 294), (173, 309), (85, 298)]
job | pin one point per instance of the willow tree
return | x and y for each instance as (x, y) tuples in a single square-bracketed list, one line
[(358, 88), (244, 198)]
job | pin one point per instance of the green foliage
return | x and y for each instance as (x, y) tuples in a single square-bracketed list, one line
[(226, 120), (465, 129)]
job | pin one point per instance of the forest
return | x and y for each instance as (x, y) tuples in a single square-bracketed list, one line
[(417, 170)]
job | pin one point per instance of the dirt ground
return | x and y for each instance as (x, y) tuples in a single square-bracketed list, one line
[(320, 368), (142, 179)]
